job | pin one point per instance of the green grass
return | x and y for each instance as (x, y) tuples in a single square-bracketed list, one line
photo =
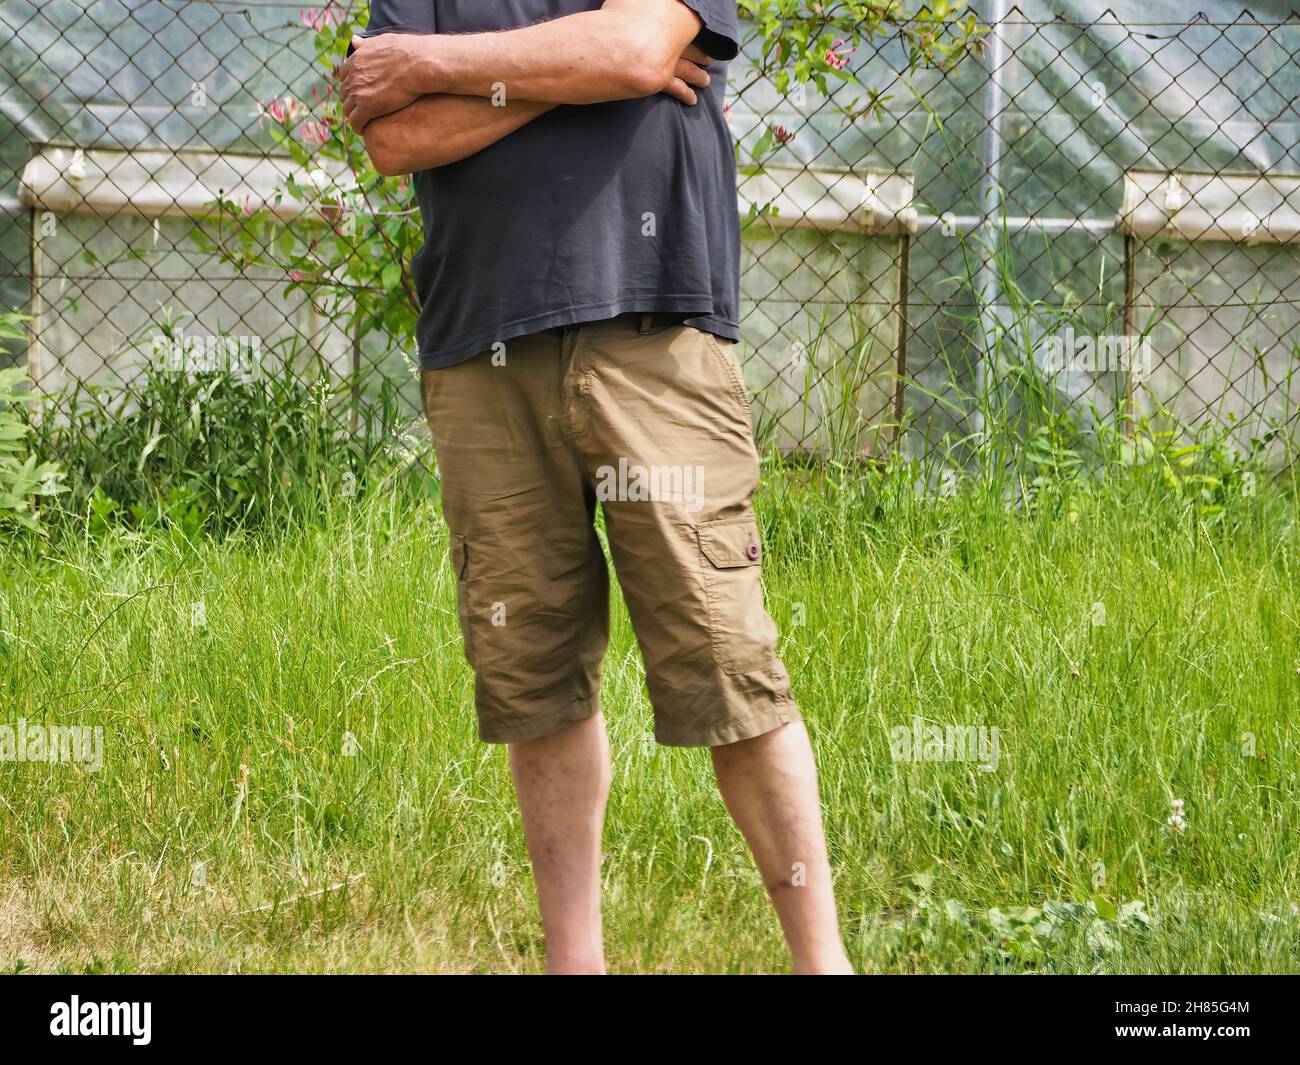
[(230, 830)]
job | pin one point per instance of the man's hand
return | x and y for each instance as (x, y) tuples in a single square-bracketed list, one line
[(372, 78), (373, 86)]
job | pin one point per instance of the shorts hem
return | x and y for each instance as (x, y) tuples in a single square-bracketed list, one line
[(785, 712), (536, 728)]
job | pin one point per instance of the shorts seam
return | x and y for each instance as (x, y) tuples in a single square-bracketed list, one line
[(728, 368)]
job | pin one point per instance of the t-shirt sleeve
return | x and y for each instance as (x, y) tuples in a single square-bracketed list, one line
[(720, 37), (400, 16)]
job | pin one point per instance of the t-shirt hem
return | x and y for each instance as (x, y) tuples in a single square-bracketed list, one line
[(697, 309)]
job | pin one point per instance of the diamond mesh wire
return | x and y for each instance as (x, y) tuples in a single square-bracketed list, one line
[(123, 123)]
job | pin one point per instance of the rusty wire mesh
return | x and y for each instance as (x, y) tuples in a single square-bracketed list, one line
[(923, 262)]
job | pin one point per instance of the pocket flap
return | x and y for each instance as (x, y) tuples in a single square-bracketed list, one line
[(729, 544)]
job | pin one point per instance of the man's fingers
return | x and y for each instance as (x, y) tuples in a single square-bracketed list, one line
[(356, 115), (679, 90), (691, 74), (696, 56)]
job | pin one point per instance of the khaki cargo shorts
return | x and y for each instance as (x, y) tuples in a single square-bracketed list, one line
[(649, 420)]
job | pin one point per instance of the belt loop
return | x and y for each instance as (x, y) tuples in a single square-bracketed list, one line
[(647, 322)]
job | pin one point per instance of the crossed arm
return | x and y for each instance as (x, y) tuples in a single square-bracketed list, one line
[(423, 101)]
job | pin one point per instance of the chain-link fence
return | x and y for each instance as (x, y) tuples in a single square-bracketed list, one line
[(1093, 213)]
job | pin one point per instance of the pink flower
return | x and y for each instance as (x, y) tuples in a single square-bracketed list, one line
[(837, 56), (726, 113), (317, 19), (782, 134), (283, 110), (314, 131), (295, 275), (246, 203)]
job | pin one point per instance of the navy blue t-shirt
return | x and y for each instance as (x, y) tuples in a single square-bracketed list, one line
[(585, 213)]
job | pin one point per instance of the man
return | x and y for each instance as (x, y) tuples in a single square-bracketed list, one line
[(579, 287)]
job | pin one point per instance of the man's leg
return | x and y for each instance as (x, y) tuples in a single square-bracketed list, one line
[(667, 405), (769, 784), (562, 781), (532, 594)]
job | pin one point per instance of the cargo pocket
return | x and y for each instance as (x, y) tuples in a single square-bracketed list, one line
[(744, 636), (460, 565)]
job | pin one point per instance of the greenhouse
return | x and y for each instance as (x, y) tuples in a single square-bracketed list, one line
[(1128, 178)]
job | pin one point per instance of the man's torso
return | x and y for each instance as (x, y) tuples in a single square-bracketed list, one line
[(585, 213)]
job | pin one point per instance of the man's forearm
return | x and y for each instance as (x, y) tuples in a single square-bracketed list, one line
[(440, 129), (623, 50)]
